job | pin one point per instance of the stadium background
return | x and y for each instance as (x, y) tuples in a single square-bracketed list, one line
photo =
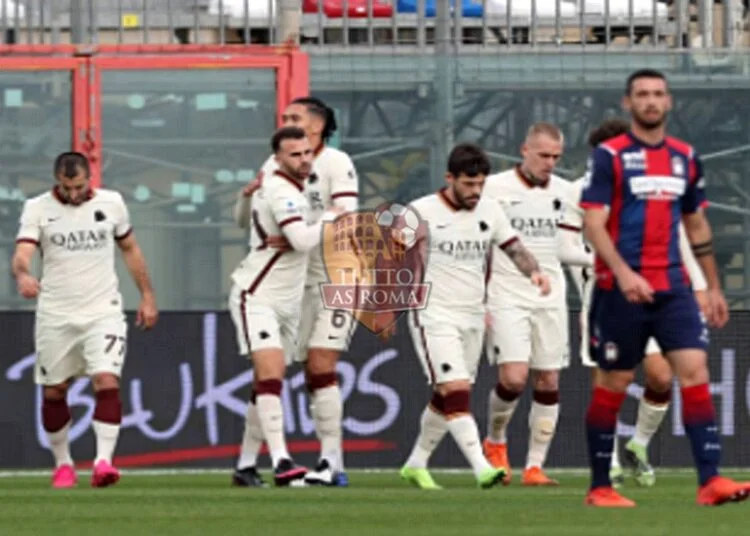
[(174, 100)]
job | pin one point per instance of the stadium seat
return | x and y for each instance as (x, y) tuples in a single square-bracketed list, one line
[(470, 8), (357, 9), (257, 9)]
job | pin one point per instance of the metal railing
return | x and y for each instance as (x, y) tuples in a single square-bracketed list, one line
[(380, 23)]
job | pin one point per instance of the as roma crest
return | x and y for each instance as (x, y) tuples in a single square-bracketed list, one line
[(375, 261)]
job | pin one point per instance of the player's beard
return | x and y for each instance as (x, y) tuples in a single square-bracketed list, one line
[(648, 124), (465, 202)]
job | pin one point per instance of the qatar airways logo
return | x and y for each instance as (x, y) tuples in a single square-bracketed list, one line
[(81, 239), (464, 250), (535, 227)]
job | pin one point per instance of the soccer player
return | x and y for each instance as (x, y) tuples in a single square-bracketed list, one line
[(266, 297), (80, 327), (324, 333), (528, 331), (463, 227), (638, 188), (653, 405)]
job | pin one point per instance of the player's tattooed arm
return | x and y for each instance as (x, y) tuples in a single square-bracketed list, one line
[(522, 258)]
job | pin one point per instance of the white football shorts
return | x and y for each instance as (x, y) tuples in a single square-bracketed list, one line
[(321, 327), (447, 352), (538, 337), (73, 349), (259, 326)]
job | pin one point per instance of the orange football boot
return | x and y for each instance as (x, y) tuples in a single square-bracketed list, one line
[(607, 497), (720, 490), (534, 476), (497, 455)]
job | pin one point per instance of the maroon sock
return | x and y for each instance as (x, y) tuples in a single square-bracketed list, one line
[(108, 406), (55, 414)]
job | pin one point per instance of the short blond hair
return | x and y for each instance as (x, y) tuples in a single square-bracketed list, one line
[(548, 129)]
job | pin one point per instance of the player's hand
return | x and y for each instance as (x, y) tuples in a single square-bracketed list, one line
[(28, 286), (252, 186), (147, 314), (279, 242), (540, 280), (718, 310), (384, 325), (635, 288), (701, 296)]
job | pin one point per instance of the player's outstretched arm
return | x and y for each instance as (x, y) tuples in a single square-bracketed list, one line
[(136, 263), (700, 236), (28, 285)]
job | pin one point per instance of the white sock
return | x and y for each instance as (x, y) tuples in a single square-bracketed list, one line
[(433, 427), (58, 444), (498, 417), (615, 464), (327, 412), (106, 440), (649, 419), (542, 424), (252, 439), (271, 417), (466, 434)]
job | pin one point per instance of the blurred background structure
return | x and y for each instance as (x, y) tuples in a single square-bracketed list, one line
[(175, 100)]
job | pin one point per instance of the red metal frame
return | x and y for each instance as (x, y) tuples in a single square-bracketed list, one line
[(87, 61)]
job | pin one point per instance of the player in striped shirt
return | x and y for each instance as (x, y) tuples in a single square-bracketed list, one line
[(638, 188), (653, 405)]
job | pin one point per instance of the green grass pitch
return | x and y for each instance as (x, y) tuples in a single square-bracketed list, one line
[(376, 503)]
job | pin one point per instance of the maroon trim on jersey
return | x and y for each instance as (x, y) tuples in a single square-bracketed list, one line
[(508, 243), (287, 221), (567, 227), (264, 272), (261, 232), (528, 182), (27, 241), (243, 314), (423, 340), (319, 149), (125, 235), (344, 194), (289, 178), (442, 194), (57, 195)]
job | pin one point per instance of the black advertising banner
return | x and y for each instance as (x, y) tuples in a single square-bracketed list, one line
[(184, 392)]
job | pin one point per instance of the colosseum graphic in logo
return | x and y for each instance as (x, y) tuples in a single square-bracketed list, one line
[(375, 262)]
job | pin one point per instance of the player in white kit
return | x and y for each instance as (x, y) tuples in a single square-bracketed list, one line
[(654, 403), (462, 228), (80, 327), (528, 331), (324, 333), (266, 297)]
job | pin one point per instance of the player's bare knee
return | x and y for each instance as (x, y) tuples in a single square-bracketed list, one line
[(690, 367), (269, 364), (513, 376), (615, 380), (546, 381), (105, 381), (658, 372), (321, 361)]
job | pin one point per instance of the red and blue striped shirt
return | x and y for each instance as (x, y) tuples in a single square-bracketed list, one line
[(647, 189)]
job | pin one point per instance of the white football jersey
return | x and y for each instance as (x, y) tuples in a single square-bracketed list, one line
[(459, 242), (534, 213), (333, 182), (77, 244), (266, 273)]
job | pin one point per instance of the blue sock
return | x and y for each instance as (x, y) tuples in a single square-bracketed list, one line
[(700, 426), (601, 422)]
